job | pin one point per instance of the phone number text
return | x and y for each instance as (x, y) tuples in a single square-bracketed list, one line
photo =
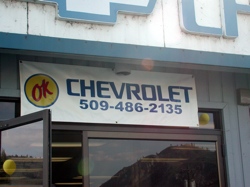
[(130, 107)]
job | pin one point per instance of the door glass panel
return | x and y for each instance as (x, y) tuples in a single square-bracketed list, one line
[(144, 163), (22, 155), (67, 158)]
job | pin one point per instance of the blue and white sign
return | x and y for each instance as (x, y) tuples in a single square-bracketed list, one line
[(100, 11), (105, 12), (229, 11), (98, 95)]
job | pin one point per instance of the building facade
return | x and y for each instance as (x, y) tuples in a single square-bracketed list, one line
[(207, 40)]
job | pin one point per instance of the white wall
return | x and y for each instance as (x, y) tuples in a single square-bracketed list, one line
[(160, 29)]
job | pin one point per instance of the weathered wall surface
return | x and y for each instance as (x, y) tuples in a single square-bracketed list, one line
[(161, 28)]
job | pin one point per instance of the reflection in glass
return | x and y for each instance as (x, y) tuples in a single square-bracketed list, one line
[(141, 163), (22, 156)]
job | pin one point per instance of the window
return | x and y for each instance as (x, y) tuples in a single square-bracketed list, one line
[(9, 108), (100, 156), (22, 155), (152, 163), (209, 119)]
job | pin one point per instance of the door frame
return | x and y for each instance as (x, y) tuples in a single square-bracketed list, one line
[(45, 116)]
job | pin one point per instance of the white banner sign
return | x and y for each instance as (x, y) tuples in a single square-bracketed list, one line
[(98, 95)]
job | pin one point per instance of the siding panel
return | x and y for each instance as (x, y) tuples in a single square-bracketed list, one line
[(201, 80), (215, 87), (241, 81), (231, 128)]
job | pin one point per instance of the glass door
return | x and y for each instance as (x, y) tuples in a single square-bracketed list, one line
[(179, 158), (25, 150)]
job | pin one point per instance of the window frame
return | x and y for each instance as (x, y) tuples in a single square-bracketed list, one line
[(146, 132)]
